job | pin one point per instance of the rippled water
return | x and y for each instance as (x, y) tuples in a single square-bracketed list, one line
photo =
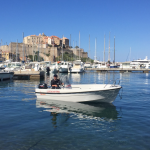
[(30, 124)]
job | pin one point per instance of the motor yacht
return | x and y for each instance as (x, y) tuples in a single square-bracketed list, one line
[(88, 65), (64, 66), (80, 92), (139, 63), (78, 67), (14, 66), (54, 67)]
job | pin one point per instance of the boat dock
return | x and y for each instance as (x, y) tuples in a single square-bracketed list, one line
[(29, 74), (121, 70)]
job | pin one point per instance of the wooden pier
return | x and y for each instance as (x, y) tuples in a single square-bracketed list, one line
[(121, 70), (29, 74)]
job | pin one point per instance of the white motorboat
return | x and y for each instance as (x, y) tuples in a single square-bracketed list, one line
[(81, 93), (64, 66), (6, 75), (78, 67)]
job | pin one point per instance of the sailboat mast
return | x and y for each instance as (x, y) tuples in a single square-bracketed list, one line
[(130, 55), (11, 51), (76, 50), (62, 48), (53, 48), (95, 48), (109, 48), (89, 46), (114, 50), (23, 48), (104, 48), (70, 40), (17, 51), (79, 45)]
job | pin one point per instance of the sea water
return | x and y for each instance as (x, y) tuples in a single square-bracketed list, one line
[(27, 123)]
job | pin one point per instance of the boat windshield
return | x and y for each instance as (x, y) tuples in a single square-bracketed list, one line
[(65, 80), (16, 64)]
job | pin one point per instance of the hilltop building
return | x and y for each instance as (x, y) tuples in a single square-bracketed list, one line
[(49, 45)]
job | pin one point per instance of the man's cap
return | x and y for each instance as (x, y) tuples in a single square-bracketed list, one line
[(55, 75)]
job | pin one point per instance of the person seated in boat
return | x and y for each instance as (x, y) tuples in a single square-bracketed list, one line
[(56, 82)]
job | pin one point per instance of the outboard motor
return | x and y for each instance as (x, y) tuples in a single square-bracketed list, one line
[(42, 86)]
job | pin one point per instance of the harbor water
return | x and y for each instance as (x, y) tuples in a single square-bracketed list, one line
[(27, 123)]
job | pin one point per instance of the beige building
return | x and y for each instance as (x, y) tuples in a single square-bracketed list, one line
[(34, 43), (34, 39), (43, 39), (79, 52), (56, 40), (65, 41)]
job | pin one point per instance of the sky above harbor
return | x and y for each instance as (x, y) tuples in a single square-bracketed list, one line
[(127, 20)]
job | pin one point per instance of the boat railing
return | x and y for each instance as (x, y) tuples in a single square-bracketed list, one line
[(114, 82)]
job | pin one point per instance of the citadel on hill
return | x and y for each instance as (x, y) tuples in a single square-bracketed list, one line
[(41, 47)]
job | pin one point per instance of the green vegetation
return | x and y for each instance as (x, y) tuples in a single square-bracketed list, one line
[(47, 55), (35, 57), (71, 57), (49, 45)]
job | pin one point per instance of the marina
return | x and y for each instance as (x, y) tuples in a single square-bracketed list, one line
[(75, 75), (34, 123)]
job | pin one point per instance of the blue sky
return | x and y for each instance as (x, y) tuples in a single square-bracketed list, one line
[(128, 20)]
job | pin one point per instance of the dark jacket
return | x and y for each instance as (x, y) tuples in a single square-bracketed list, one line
[(56, 82)]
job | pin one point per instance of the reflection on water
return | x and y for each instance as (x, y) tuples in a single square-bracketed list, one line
[(96, 111)]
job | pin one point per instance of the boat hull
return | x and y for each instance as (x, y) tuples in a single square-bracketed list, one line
[(90, 96), (6, 75), (63, 70), (72, 70)]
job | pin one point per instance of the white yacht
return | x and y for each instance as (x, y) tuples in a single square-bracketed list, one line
[(145, 63), (14, 66), (33, 66), (64, 66), (87, 65), (78, 67), (54, 67)]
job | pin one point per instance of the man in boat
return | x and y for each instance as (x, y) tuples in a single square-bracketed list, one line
[(56, 82)]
